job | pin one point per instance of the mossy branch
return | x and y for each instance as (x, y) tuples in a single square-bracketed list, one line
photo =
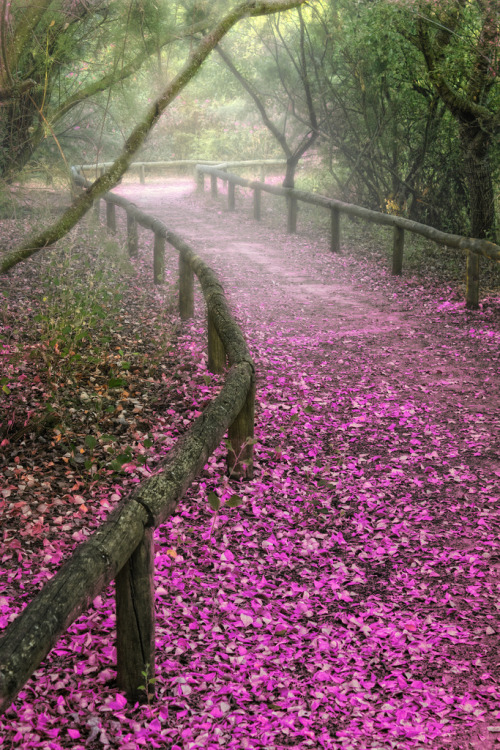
[(109, 179)]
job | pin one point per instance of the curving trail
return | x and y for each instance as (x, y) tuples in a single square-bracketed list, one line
[(354, 597)]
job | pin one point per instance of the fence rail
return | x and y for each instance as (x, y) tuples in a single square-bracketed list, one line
[(122, 549), (143, 167), (472, 247)]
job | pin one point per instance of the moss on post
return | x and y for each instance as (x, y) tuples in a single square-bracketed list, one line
[(132, 236), (111, 217), (135, 622), (240, 434), (159, 259), (216, 351), (186, 289)]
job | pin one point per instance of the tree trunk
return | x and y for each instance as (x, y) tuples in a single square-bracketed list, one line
[(17, 141), (476, 146), (291, 166)]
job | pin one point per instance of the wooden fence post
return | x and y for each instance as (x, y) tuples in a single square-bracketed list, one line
[(262, 173), (472, 294), (216, 351), (200, 181), (240, 434), (111, 216), (132, 237), (142, 174), (186, 289), (256, 203), (398, 243), (213, 185), (135, 621), (292, 214), (159, 259), (97, 209), (230, 195), (335, 230)]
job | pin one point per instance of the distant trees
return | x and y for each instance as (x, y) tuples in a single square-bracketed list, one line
[(281, 85), (215, 28), (399, 97), (58, 56)]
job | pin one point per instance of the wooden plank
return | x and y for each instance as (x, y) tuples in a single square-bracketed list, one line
[(472, 290), (240, 434), (135, 621), (291, 225), (111, 217), (216, 351), (159, 259), (256, 204), (186, 288), (231, 202), (132, 236), (335, 230), (398, 243)]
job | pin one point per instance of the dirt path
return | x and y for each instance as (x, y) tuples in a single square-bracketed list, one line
[(402, 391)]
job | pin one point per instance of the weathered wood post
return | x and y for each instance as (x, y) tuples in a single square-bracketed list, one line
[(292, 214), (335, 230), (142, 174), (111, 216), (132, 236), (159, 259), (262, 173), (398, 243), (186, 289), (213, 185), (230, 195), (97, 209), (200, 180), (135, 621), (256, 203), (216, 352), (240, 434), (472, 282)]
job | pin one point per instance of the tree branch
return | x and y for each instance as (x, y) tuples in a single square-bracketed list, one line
[(109, 179)]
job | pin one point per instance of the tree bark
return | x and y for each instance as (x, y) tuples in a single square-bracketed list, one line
[(476, 147)]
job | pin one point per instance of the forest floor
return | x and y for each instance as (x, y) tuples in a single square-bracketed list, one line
[(352, 600)]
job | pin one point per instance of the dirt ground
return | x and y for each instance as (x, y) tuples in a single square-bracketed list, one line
[(348, 317)]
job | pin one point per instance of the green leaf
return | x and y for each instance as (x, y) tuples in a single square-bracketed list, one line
[(309, 410), (116, 383), (108, 438), (294, 418), (6, 389), (148, 443), (90, 442), (234, 501), (213, 501)]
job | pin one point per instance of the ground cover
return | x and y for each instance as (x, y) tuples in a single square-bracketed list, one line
[(351, 601)]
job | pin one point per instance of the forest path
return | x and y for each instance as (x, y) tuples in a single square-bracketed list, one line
[(293, 282), (378, 448)]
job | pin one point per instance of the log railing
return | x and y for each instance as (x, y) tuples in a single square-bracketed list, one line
[(472, 247), (143, 167), (122, 548)]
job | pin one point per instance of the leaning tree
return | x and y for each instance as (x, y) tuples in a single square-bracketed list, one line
[(216, 20)]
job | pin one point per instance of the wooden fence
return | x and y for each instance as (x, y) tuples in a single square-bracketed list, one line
[(122, 548), (472, 247), (143, 167)]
